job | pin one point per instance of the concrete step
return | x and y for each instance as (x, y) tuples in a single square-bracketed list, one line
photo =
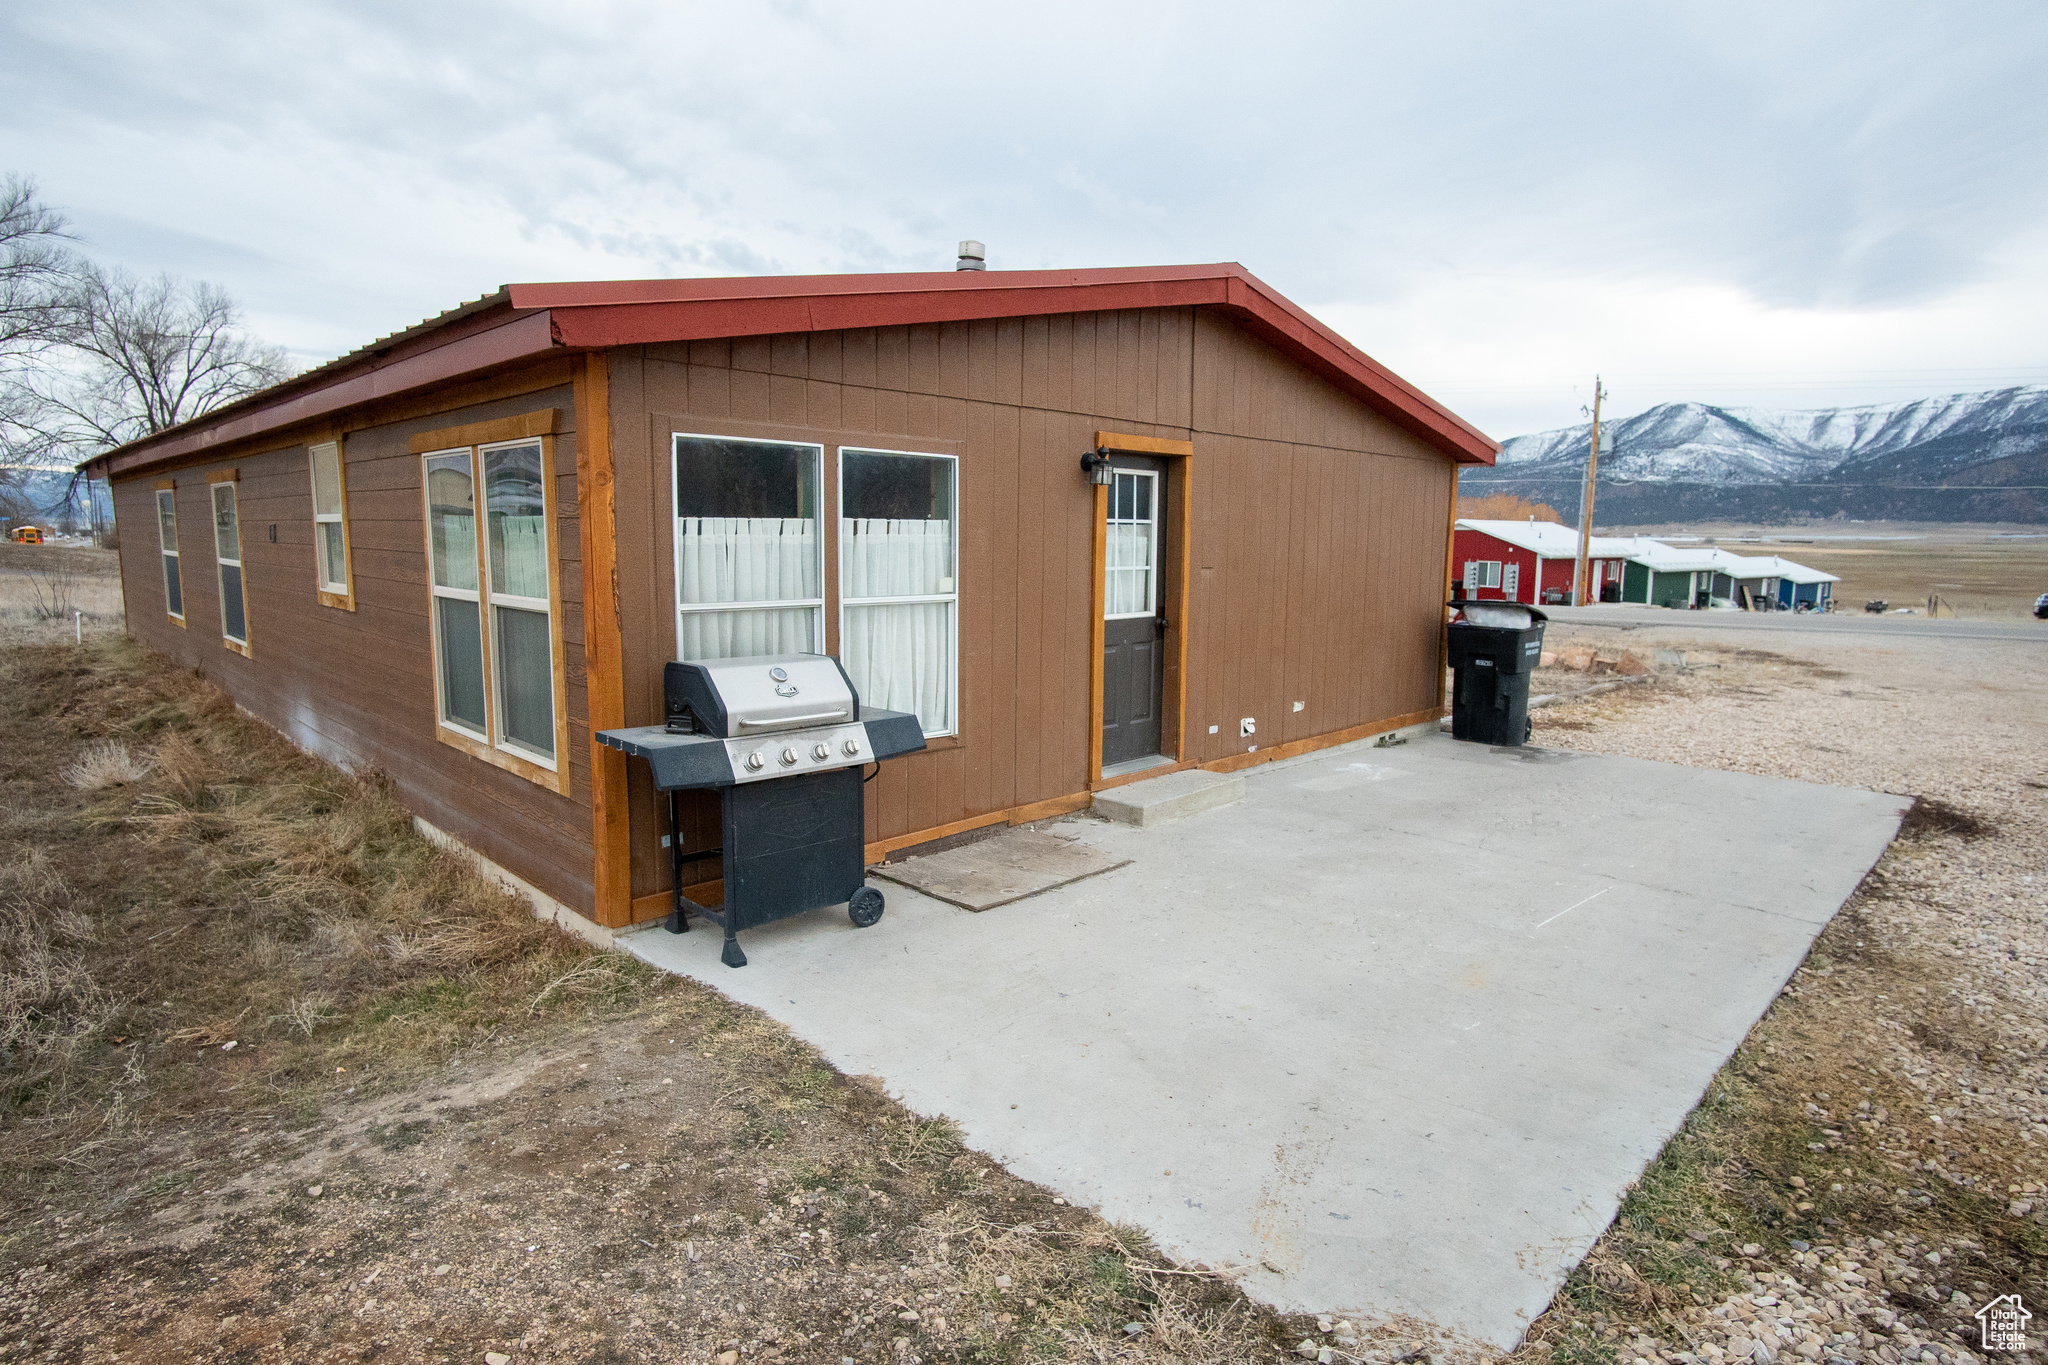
[(1173, 797)]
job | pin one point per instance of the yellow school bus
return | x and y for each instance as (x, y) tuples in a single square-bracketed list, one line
[(28, 535)]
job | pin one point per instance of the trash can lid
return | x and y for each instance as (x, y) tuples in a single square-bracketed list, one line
[(1498, 615)]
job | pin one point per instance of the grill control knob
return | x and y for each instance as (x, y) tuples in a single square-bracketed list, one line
[(755, 762), (821, 752), (788, 757), (851, 747)]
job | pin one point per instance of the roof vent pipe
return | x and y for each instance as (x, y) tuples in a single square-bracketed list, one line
[(973, 256)]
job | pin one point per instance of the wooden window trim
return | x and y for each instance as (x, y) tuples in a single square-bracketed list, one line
[(527, 424), (232, 478), (1175, 564), (176, 618), (346, 599), (555, 778)]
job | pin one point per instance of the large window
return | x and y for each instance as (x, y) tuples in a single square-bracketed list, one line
[(492, 563), (227, 554), (749, 566), (898, 582), (167, 541), (330, 527)]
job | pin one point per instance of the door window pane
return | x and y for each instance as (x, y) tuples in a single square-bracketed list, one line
[(526, 677), (462, 661), (451, 522), (1131, 551), (518, 518)]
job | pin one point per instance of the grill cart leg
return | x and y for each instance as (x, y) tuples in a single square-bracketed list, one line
[(676, 921), (731, 955)]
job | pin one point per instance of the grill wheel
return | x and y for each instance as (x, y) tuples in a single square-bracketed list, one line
[(865, 907)]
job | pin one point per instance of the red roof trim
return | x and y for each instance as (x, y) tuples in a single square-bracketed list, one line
[(526, 320)]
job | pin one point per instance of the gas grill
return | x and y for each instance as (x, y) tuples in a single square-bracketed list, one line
[(784, 738)]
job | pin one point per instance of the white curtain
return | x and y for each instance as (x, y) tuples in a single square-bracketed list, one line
[(747, 559), (900, 655), (525, 570)]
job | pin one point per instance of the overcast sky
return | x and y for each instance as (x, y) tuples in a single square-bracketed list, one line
[(1784, 205)]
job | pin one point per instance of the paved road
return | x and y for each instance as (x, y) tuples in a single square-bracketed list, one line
[(1836, 623)]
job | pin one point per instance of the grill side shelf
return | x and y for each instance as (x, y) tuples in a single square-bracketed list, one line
[(891, 732), (677, 760)]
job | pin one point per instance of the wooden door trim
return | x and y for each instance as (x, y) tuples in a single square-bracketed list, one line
[(604, 693), (1175, 561)]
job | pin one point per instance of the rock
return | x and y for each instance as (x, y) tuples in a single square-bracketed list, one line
[(1308, 1350), (500, 1358), (1132, 1329), (1751, 1249), (314, 1190), (1547, 659), (1629, 666), (1578, 658), (728, 1358), (2020, 1208), (443, 1269), (907, 1315), (1002, 1281)]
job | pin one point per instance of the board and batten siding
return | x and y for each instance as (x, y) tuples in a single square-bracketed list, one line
[(357, 687), (1319, 530)]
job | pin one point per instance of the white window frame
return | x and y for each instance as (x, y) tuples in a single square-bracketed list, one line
[(952, 599), (490, 743), (174, 566), (240, 644), (333, 590), (816, 604), (1151, 607), (1482, 573)]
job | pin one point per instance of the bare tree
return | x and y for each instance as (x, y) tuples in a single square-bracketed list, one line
[(36, 269), (143, 355)]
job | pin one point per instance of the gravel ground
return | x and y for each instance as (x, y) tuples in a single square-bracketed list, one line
[(1910, 1044)]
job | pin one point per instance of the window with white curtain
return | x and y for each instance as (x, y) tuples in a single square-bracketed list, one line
[(749, 555), (898, 582), (493, 619), (167, 541), (227, 554)]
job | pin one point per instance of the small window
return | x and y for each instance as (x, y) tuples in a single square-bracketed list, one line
[(1482, 573), (167, 540), (898, 582), (330, 527), (749, 557), (227, 554), (1130, 586), (493, 593)]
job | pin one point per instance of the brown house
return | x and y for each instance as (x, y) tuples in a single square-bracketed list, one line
[(454, 554)]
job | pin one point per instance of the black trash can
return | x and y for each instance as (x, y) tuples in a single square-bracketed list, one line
[(1491, 659)]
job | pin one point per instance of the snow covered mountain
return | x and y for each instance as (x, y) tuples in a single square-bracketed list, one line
[(1962, 457)]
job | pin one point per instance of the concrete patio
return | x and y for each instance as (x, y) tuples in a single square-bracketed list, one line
[(1393, 1034)]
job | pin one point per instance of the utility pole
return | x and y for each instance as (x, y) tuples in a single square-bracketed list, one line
[(1580, 574)]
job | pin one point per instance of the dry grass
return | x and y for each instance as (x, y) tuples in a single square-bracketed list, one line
[(266, 1057), (42, 585), (226, 889)]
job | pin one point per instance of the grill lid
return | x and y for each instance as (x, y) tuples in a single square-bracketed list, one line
[(758, 695)]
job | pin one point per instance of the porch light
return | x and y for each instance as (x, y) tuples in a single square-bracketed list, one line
[(1095, 464)]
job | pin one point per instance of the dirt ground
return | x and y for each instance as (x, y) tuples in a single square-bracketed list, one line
[(280, 1082)]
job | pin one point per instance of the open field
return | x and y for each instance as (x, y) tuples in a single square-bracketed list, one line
[(1979, 572), (41, 585)]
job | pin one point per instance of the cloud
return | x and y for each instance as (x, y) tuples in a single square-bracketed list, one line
[(363, 165)]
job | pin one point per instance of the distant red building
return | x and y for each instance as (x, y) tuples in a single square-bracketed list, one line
[(1532, 562)]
